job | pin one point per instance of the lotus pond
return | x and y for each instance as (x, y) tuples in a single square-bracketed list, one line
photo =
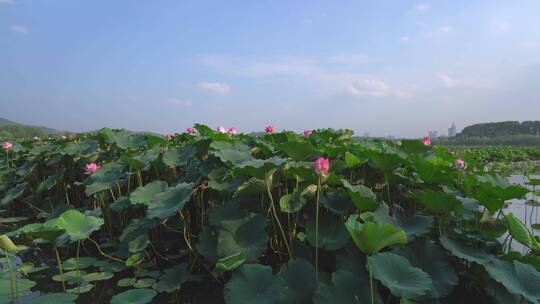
[(211, 217)]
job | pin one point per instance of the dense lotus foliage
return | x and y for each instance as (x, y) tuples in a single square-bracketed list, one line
[(221, 217)]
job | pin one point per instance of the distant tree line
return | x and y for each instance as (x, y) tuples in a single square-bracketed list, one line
[(507, 140), (16, 131), (502, 129)]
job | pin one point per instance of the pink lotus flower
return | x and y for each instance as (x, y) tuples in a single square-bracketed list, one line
[(307, 132), (231, 131), (7, 145), (221, 129), (190, 130), (427, 141), (91, 168), (321, 165), (460, 164), (269, 129), (168, 136)]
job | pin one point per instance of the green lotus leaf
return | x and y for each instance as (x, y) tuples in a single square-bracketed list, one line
[(414, 226), (40, 230), (245, 235), (336, 201), (433, 261), (345, 287), (362, 197), (54, 298), (126, 282), (396, 273), (517, 278), (229, 211), (97, 276), (82, 289), (438, 202), (293, 202), (371, 237), (139, 243), (23, 288), (413, 146), (520, 232), (104, 179), (493, 191), (47, 184), (134, 296), (78, 226), (207, 245), (171, 201), (251, 187), (332, 234), (13, 193), (125, 140), (84, 262), (299, 277), (173, 278), (254, 283), (144, 283), (146, 193), (237, 154), (297, 150), (465, 252), (231, 262), (352, 161), (70, 276), (179, 156)]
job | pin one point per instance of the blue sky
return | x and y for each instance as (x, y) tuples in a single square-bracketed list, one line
[(384, 67)]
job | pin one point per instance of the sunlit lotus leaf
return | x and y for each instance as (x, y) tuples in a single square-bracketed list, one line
[(371, 237), (78, 226)]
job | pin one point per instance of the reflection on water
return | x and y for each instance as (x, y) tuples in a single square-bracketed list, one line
[(526, 213)]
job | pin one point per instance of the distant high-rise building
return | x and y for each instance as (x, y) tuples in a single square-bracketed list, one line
[(433, 134), (452, 130), (366, 134)]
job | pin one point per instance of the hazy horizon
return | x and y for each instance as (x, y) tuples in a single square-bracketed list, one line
[(385, 68)]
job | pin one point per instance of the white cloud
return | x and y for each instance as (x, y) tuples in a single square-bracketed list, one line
[(19, 29), (467, 82), (7, 2), (178, 102), (370, 87), (215, 87), (404, 39), (422, 7)]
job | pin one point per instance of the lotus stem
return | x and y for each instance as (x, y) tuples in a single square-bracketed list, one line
[(317, 203), (370, 282), (273, 208), (60, 268), (77, 266), (12, 279), (104, 254)]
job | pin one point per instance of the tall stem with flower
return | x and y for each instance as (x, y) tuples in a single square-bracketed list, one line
[(7, 145), (321, 166)]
